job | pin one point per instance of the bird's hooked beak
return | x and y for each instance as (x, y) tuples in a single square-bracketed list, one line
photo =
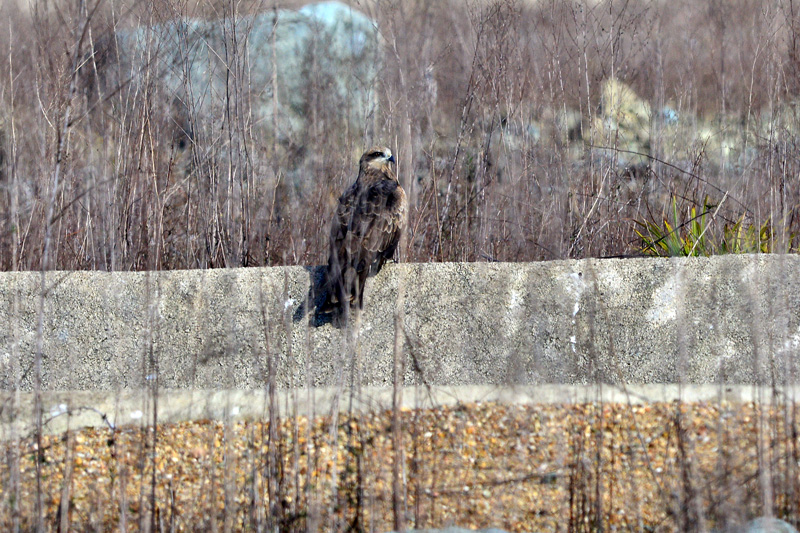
[(391, 159)]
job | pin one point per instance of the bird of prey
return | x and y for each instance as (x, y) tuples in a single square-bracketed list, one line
[(365, 231)]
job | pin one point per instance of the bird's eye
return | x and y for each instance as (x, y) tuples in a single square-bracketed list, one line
[(375, 154)]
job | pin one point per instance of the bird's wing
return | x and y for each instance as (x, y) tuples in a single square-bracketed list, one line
[(341, 244), (365, 230), (341, 239), (368, 223), (380, 216)]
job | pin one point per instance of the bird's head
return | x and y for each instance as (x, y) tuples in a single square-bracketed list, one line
[(378, 158)]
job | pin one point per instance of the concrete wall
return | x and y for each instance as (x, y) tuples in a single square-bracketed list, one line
[(732, 318)]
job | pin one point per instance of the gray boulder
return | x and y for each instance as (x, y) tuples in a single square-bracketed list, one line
[(323, 58), (768, 525)]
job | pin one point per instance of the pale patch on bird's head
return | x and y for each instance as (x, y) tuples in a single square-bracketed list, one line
[(379, 158)]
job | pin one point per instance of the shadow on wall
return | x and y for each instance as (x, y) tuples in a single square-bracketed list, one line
[(315, 301)]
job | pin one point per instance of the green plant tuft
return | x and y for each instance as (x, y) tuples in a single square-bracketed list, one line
[(698, 235)]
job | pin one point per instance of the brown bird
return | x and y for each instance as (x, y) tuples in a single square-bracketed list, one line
[(365, 231)]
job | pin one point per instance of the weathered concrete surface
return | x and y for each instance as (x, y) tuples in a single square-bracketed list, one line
[(734, 319), (64, 410)]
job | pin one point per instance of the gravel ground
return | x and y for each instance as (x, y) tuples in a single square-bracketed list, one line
[(653, 467)]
